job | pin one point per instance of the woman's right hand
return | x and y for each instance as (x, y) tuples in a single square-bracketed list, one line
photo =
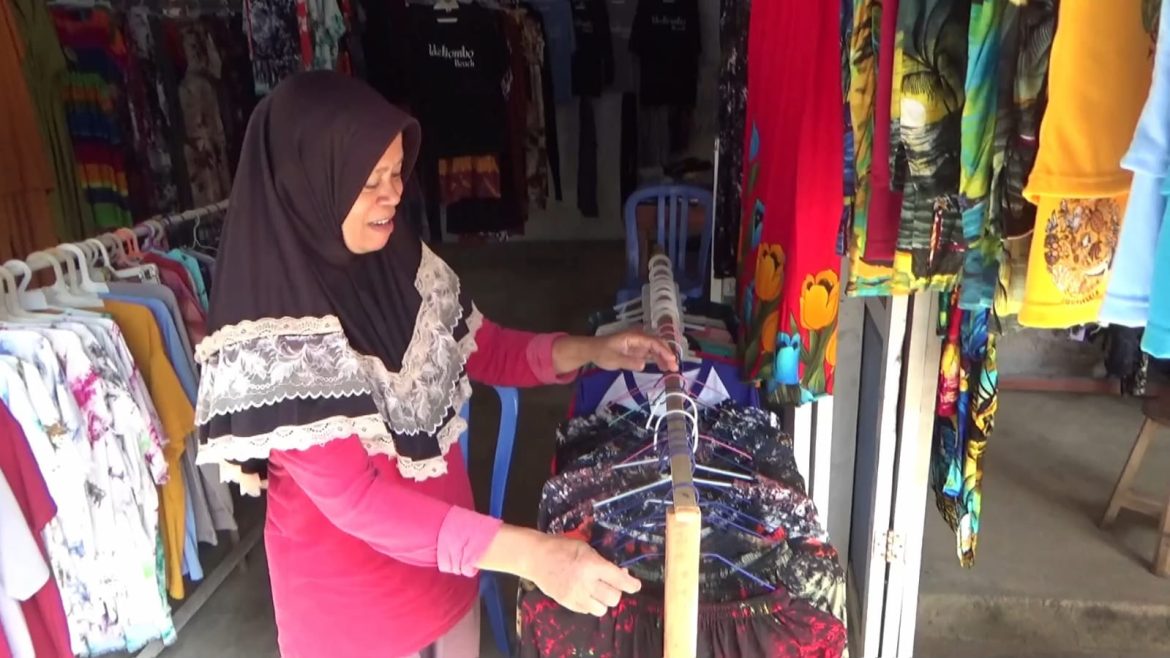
[(574, 575), (568, 570)]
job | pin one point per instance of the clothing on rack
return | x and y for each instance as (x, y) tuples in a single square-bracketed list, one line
[(734, 19), (561, 39), (771, 586), (45, 72), (1127, 298), (42, 610), (26, 212), (95, 407), (1078, 183), (274, 39), (965, 416), (792, 193)]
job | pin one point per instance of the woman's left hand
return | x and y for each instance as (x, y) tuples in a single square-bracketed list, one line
[(632, 350)]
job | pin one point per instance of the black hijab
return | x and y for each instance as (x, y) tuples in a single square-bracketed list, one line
[(285, 279)]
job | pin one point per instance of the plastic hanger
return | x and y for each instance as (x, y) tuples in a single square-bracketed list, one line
[(129, 242), (146, 272), (57, 294), (86, 284)]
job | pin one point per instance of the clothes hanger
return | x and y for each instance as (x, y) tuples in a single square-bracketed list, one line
[(86, 284), (57, 294), (144, 271)]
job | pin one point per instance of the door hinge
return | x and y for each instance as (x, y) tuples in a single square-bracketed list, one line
[(893, 546)]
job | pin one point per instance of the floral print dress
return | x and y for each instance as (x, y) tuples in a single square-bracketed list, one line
[(106, 550), (40, 400), (792, 197)]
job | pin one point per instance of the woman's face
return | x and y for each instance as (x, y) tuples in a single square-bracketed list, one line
[(370, 221)]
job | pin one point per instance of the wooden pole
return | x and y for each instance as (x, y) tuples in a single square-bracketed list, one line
[(684, 520)]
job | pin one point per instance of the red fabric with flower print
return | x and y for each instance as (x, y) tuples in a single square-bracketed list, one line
[(793, 181)]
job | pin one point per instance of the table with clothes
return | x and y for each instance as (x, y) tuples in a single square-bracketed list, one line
[(770, 582)]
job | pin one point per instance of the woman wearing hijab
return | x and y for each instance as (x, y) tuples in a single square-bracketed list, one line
[(338, 360)]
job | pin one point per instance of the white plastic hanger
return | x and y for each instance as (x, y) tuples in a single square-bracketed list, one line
[(86, 284), (57, 294)]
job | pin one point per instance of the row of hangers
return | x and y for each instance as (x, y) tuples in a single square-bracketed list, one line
[(170, 8), (80, 269), (660, 308)]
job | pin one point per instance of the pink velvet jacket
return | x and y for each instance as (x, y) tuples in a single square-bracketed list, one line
[(366, 563)]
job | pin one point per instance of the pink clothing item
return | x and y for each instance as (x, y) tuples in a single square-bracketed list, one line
[(365, 562), (885, 205)]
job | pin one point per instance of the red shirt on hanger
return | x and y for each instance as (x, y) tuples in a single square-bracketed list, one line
[(44, 612)]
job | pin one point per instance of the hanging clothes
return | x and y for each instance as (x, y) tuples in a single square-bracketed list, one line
[(45, 75), (275, 42), (982, 238), (788, 273), (779, 589), (96, 109), (178, 421), (734, 22), (27, 186), (933, 60), (1030, 30), (159, 128), (871, 56), (968, 395), (1102, 63), (205, 143), (1127, 298), (1156, 340)]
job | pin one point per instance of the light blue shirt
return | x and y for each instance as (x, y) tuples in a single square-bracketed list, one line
[(1128, 298)]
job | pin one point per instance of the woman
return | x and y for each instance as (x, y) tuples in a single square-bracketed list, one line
[(339, 358)]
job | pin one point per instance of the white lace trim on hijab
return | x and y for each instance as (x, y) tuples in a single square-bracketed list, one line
[(262, 362)]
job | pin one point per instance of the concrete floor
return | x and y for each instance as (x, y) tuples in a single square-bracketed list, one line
[(1047, 583), (1045, 574)]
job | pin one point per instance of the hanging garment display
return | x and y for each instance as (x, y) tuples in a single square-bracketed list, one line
[(1102, 63), (771, 584), (26, 216), (792, 193), (158, 129), (1025, 53), (875, 206), (933, 60), (968, 394), (96, 109), (1156, 340), (734, 19), (92, 409), (1127, 298), (982, 238), (45, 75), (43, 611), (275, 42)]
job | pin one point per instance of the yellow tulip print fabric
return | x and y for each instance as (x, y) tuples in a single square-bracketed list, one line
[(793, 183)]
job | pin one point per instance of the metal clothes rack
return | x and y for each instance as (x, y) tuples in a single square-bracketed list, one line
[(684, 519)]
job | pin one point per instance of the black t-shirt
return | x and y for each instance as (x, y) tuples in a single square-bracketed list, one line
[(593, 56), (457, 77), (666, 38)]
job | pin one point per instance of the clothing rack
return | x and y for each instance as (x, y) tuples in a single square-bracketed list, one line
[(144, 229), (684, 519), (242, 543)]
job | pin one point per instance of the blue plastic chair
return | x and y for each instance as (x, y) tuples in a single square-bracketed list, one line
[(674, 207), (489, 583)]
